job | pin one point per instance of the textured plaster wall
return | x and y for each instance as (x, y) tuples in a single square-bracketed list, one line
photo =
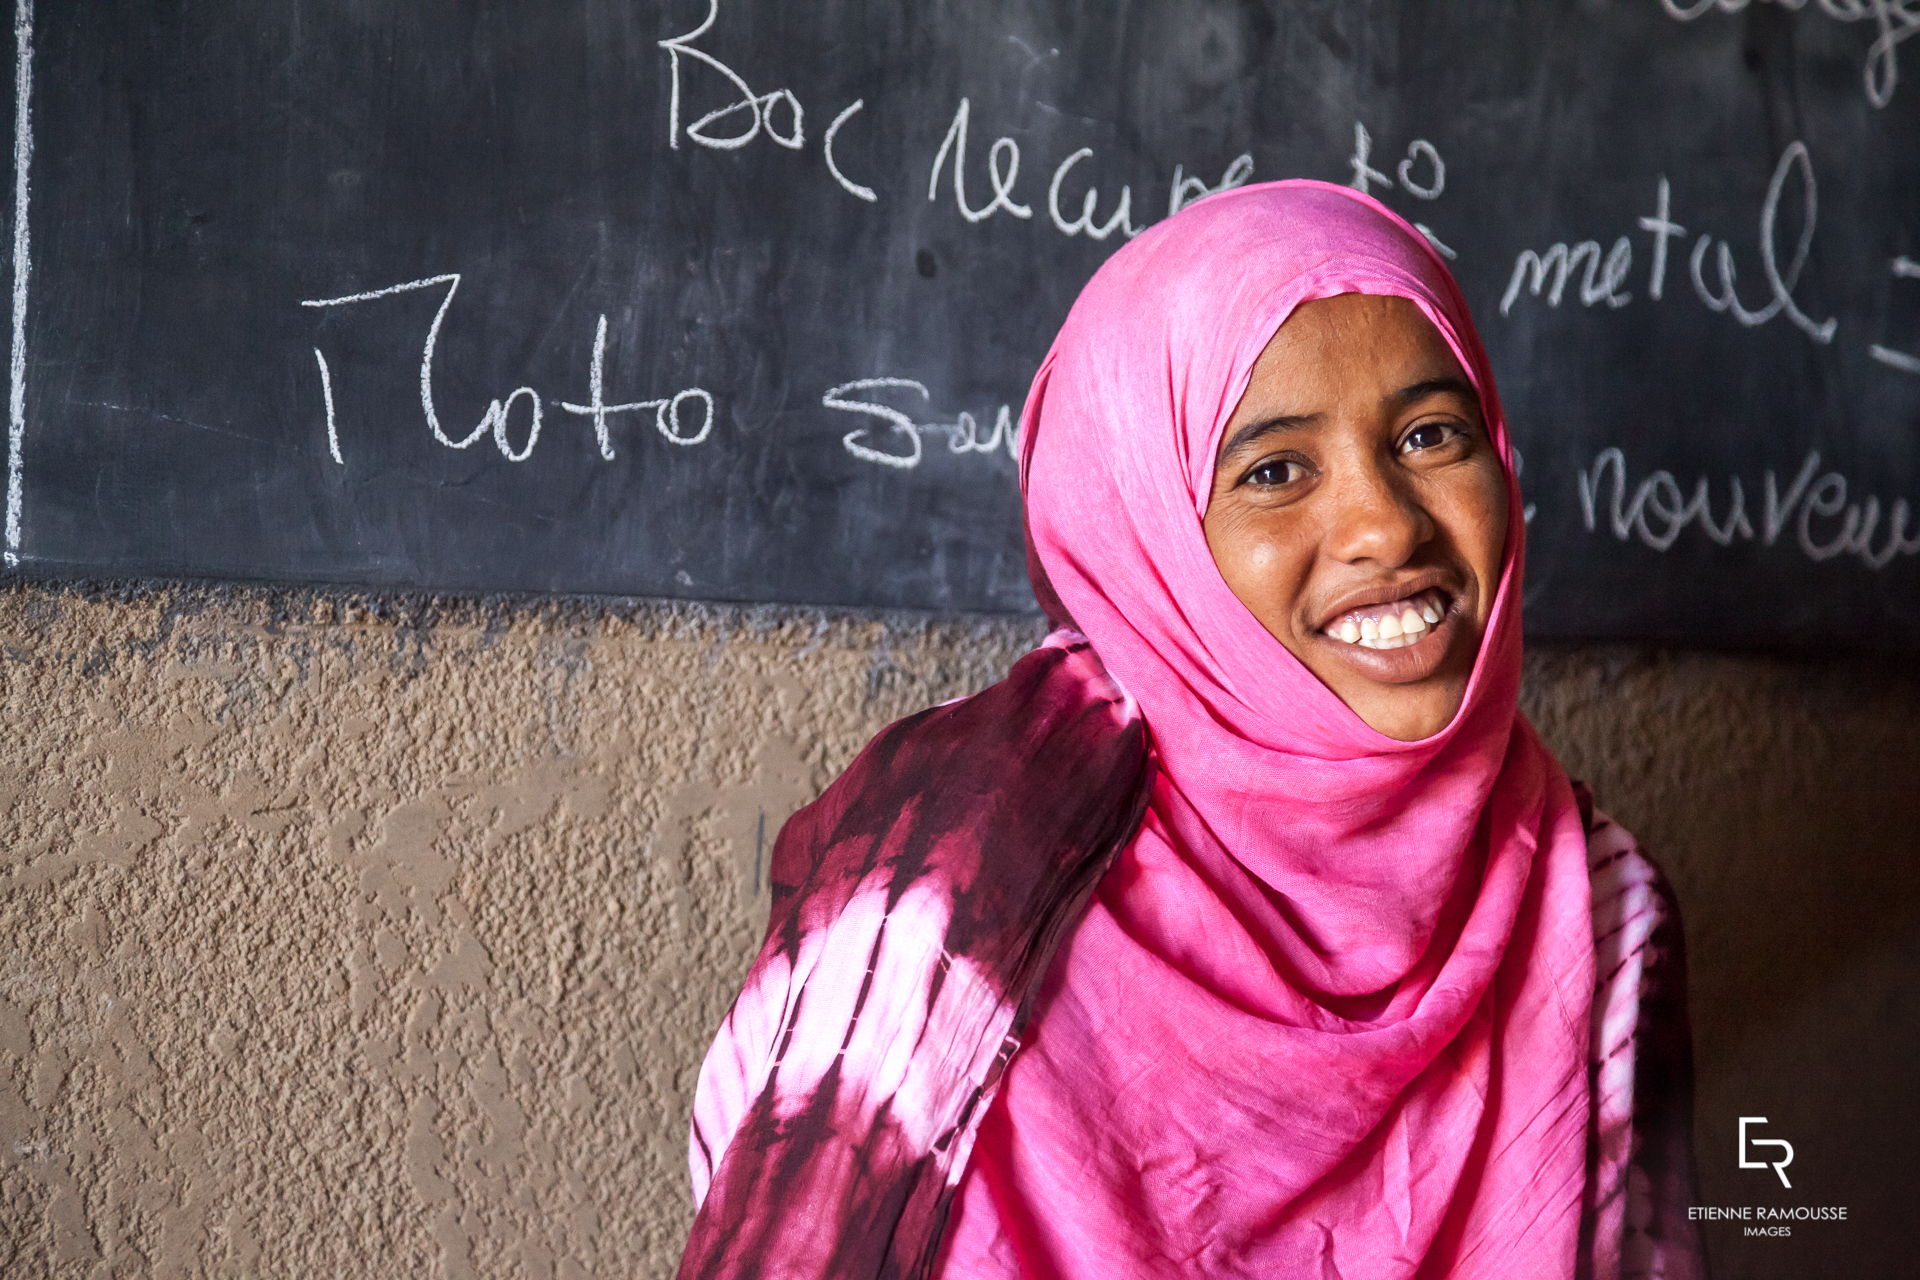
[(350, 939)]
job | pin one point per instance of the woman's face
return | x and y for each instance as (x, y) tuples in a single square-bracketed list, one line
[(1359, 509)]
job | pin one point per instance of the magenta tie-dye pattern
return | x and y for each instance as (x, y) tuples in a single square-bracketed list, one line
[(915, 907)]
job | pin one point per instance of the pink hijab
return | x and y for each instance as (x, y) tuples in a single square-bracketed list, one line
[(1328, 1015)]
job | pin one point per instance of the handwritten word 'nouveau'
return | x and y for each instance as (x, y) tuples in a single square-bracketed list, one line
[(900, 444), (1813, 506), (683, 418)]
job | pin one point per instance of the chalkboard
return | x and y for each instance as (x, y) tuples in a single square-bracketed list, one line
[(738, 299)]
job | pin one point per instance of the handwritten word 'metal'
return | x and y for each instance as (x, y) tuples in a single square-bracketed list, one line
[(1549, 273)]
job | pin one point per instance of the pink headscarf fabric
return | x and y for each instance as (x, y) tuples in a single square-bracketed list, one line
[(1328, 1015)]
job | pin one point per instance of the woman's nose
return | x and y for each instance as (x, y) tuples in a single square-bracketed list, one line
[(1378, 518)]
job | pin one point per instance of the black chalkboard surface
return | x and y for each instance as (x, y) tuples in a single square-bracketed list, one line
[(736, 299)]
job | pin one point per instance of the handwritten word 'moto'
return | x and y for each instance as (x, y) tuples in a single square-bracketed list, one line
[(900, 444), (1002, 176), (1813, 507), (778, 114), (683, 418), (1894, 21)]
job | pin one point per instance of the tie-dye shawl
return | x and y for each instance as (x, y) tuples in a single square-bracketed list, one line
[(838, 1105), (915, 907)]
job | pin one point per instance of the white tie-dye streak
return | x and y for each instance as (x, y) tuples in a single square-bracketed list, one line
[(1628, 907), (883, 962)]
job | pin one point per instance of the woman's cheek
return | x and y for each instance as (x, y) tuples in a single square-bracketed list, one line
[(1492, 505), (1268, 577)]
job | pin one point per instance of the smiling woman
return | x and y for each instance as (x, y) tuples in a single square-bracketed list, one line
[(1246, 928)]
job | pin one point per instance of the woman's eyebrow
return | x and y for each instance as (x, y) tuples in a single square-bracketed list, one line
[(1421, 390), (1256, 431)]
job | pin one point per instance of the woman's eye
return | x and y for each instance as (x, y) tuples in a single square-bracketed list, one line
[(1429, 435), (1281, 471)]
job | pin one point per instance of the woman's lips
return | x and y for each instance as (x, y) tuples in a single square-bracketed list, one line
[(1396, 642)]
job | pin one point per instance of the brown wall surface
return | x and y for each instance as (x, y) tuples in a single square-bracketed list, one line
[(351, 938)]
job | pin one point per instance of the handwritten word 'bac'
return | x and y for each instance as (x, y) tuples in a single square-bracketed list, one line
[(777, 114)]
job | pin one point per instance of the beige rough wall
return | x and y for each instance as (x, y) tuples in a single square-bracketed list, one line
[(352, 940)]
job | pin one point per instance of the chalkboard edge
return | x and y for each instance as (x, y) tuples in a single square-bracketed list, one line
[(293, 603), (281, 603)]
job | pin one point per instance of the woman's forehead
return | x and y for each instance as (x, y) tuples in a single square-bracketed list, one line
[(1356, 319)]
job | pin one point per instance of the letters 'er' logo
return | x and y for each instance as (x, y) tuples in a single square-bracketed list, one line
[(1778, 1166)]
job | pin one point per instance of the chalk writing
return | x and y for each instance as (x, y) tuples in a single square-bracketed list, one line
[(1813, 507), (1599, 283), (326, 395), (1904, 268), (1422, 157), (1003, 170), (759, 107), (1084, 223), (1894, 21), (900, 446), (1529, 509), (1003, 174), (668, 411), (1550, 271), (826, 151), (1184, 190), (777, 114)]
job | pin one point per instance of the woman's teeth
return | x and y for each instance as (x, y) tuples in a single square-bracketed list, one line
[(1390, 626)]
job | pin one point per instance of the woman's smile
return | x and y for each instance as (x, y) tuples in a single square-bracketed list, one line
[(1398, 638)]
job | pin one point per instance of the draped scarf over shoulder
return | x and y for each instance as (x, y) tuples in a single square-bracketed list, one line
[(1328, 1016), (1326, 1012)]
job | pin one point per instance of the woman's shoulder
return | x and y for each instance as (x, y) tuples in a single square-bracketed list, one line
[(935, 875), (1056, 727), (1639, 949)]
